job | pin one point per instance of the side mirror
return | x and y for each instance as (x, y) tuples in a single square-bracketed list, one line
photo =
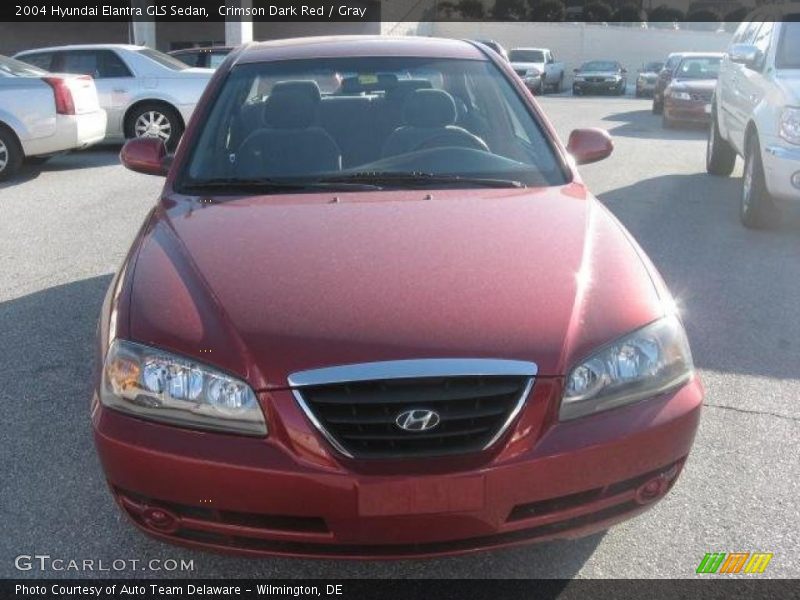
[(145, 155), (589, 145), (624, 71), (746, 54)]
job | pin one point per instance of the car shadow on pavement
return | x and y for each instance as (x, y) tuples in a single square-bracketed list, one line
[(55, 498), (644, 124), (96, 156), (735, 286)]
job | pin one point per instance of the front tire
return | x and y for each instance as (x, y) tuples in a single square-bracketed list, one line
[(153, 119), (720, 155), (11, 154), (757, 210)]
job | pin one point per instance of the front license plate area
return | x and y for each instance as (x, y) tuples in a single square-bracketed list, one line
[(421, 496)]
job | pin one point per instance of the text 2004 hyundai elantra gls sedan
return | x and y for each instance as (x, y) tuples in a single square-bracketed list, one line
[(376, 313)]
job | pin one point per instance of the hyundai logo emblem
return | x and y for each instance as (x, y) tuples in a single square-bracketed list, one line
[(418, 419)]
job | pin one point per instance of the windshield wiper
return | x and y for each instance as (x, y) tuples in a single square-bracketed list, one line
[(421, 179), (268, 184)]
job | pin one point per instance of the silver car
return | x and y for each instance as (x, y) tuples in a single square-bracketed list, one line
[(42, 114), (145, 93)]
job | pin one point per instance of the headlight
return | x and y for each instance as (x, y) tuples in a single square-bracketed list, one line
[(640, 365), (578, 78), (532, 73), (614, 78), (790, 125), (156, 385), (680, 95)]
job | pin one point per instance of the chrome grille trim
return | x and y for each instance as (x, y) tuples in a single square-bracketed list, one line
[(411, 369)]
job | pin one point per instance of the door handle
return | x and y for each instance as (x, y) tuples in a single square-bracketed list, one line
[(120, 91)]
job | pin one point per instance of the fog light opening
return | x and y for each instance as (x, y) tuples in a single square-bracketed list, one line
[(652, 490), (796, 180), (160, 519)]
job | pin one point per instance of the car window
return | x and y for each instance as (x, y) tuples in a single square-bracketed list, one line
[(788, 52), (190, 58), (215, 60), (165, 60), (698, 67), (526, 56), (653, 67), (99, 64), (748, 33), (14, 68), (43, 60), (600, 65), (309, 119), (672, 62), (763, 37)]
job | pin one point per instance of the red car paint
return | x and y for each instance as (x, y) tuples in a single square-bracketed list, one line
[(298, 282)]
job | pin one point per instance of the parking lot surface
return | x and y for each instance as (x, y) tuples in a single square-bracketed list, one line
[(64, 229)]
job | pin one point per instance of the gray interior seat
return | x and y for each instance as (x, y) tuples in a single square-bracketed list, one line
[(429, 116), (290, 144)]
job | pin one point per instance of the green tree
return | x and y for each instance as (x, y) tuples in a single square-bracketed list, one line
[(547, 10), (471, 9), (510, 10), (597, 11)]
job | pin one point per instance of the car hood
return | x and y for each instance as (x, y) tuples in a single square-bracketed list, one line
[(266, 286), (789, 83), (528, 65), (697, 85), (598, 73)]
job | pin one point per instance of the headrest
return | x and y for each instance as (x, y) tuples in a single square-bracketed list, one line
[(400, 91), (292, 105), (429, 108)]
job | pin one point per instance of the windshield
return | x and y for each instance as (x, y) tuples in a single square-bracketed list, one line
[(15, 68), (653, 67), (699, 67), (599, 65), (788, 55), (165, 60), (360, 120), (535, 56)]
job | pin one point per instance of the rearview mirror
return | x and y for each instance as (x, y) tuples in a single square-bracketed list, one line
[(589, 145), (145, 155), (746, 54)]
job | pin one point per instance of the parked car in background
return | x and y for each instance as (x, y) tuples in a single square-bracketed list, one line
[(210, 57), (755, 114), (389, 401), (687, 98), (532, 62), (145, 93), (600, 76), (664, 77), (42, 114), (647, 78), (496, 46)]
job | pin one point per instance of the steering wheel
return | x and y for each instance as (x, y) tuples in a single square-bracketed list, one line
[(453, 138)]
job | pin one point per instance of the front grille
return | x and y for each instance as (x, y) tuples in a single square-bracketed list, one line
[(361, 417), (521, 72), (702, 96)]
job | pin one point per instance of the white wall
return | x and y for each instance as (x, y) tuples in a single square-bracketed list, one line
[(575, 43)]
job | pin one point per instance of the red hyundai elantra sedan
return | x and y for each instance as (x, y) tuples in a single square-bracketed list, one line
[(384, 318)]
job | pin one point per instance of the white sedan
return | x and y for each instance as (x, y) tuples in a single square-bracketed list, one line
[(42, 114), (145, 93)]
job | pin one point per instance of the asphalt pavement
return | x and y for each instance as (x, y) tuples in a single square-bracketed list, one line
[(65, 227)]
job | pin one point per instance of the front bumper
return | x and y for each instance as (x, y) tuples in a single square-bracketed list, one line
[(288, 495), (645, 87), (591, 87), (690, 111), (782, 163)]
